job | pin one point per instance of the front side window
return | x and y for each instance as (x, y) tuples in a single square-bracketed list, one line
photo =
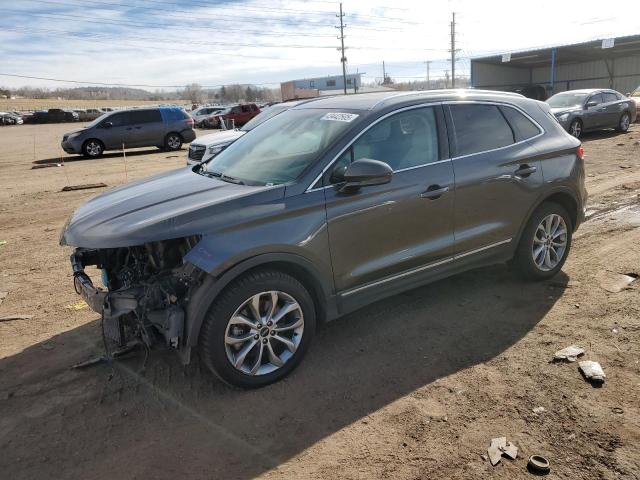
[(404, 140), (479, 128), (118, 119), (282, 148), (595, 99)]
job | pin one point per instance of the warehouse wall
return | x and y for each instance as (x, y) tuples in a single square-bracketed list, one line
[(572, 76)]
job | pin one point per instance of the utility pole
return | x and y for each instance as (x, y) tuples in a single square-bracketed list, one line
[(384, 74), (453, 50), (428, 62), (343, 59)]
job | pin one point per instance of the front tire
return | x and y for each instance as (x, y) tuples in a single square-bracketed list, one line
[(93, 148), (545, 243), (575, 129), (172, 142), (258, 330), (624, 122)]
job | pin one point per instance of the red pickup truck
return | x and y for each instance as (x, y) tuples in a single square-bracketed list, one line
[(239, 114)]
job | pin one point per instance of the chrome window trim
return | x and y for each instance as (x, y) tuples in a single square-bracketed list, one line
[(541, 129), (355, 139), (424, 267), (504, 104)]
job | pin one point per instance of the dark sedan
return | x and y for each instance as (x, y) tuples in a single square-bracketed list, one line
[(580, 111)]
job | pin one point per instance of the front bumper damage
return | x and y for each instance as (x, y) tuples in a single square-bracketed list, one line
[(149, 312)]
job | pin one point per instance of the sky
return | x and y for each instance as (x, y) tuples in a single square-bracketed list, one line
[(171, 43)]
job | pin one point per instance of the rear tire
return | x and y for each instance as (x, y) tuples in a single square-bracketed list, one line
[(575, 129), (173, 141), (624, 122), (92, 148), (545, 243), (223, 341)]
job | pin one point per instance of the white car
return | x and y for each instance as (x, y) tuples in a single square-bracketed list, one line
[(204, 148), (202, 113)]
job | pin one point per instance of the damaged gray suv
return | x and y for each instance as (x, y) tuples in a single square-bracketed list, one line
[(323, 209)]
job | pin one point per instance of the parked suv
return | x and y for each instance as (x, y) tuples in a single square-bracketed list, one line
[(324, 208), (164, 127), (239, 114)]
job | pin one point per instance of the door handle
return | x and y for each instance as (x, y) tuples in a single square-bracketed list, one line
[(525, 170), (434, 192)]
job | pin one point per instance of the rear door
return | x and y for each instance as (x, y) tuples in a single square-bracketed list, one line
[(147, 128), (384, 236), (612, 109), (497, 179)]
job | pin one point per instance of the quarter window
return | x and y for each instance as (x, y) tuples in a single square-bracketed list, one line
[(479, 128), (404, 140), (523, 128)]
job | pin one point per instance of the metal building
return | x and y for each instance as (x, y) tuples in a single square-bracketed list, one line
[(312, 87), (606, 63)]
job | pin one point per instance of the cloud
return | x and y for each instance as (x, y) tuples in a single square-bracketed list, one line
[(174, 42)]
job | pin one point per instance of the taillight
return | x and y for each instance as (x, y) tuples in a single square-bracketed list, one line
[(189, 121), (580, 152)]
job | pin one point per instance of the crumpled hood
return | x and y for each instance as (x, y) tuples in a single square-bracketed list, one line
[(175, 204), (561, 110), (225, 136)]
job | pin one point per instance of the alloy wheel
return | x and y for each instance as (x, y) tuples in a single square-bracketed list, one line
[(94, 149), (173, 142), (624, 122), (576, 129), (264, 333), (549, 242)]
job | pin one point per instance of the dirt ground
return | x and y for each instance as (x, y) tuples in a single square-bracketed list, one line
[(414, 386)]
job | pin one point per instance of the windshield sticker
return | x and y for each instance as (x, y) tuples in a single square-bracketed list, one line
[(340, 117)]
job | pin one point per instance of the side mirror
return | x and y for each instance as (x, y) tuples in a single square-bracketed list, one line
[(592, 104), (107, 125), (366, 172)]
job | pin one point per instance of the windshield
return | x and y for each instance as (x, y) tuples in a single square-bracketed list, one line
[(263, 116), (98, 120), (567, 100), (282, 148)]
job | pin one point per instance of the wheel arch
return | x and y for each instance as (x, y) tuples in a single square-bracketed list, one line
[(562, 197), (212, 286)]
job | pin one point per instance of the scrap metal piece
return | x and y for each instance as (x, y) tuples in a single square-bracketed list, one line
[(592, 371), (570, 353), (510, 451), (84, 186), (538, 464), (8, 318)]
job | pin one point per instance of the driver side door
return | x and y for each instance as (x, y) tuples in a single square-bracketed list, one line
[(594, 115), (389, 237)]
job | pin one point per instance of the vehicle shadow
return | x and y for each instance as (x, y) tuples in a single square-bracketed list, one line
[(123, 421), (114, 154)]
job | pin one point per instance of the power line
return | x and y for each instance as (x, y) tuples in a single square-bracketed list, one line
[(104, 84)]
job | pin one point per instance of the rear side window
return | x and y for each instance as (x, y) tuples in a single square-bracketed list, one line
[(610, 97), (479, 128), (523, 128), (174, 114), (145, 116)]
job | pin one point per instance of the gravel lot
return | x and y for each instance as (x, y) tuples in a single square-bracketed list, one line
[(414, 386)]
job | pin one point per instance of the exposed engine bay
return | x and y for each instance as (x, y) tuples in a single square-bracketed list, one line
[(146, 290)]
